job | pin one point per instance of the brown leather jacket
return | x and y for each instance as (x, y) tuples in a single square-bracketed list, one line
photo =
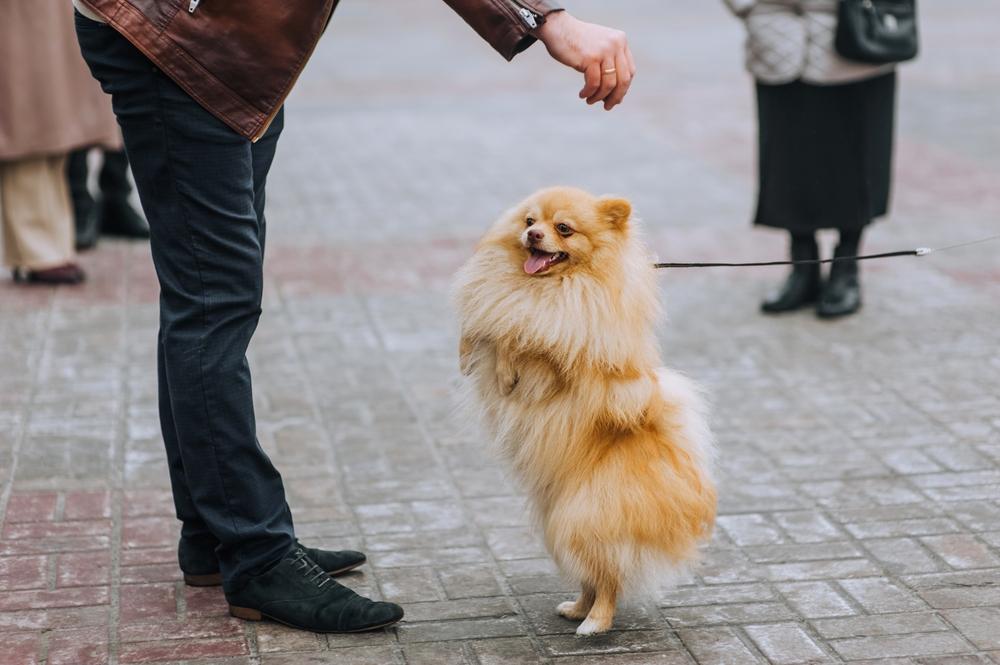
[(240, 58)]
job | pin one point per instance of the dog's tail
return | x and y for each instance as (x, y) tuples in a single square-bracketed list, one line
[(692, 411)]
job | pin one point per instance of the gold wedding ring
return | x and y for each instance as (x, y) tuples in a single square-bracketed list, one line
[(611, 70)]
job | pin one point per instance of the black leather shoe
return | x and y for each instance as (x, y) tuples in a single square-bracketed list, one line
[(800, 289), (841, 294), (201, 568), (87, 229), (119, 218), (300, 594), (67, 273)]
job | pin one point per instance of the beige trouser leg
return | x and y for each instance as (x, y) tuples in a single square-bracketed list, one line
[(36, 213)]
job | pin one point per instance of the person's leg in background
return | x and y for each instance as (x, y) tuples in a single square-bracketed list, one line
[(113, 214), (85, 216), (842, 291), (37, 221), (802, 286), (201, 186), (118, 217), (874, 104)]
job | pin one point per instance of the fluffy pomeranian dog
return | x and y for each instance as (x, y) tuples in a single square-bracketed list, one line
[(557, 308)]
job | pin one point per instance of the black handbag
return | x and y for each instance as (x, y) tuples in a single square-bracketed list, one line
[(877, 31)]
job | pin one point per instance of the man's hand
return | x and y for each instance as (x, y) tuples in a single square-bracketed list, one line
[(601, 53)]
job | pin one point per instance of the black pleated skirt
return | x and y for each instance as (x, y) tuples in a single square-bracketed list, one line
[(825, 153)]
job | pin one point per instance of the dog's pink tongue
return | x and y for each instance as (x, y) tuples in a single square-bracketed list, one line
[(536, 261)]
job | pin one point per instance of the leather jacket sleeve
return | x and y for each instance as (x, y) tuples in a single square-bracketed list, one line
[(506, 24)]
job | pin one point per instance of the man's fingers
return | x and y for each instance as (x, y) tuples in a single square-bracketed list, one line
[(631, 62), (624, 81), (609, 78), (591, 80)]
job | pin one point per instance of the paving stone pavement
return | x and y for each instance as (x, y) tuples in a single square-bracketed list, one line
[(859, 461)]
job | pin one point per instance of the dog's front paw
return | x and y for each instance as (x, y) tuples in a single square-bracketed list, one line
[(593, 626), (571, 610)]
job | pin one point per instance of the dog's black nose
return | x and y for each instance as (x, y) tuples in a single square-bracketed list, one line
[(535, 235)]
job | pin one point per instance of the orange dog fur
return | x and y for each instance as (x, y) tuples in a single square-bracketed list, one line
[(557, 308)]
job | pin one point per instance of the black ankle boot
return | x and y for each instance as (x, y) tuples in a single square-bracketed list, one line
[(842, 293), (801, 287)]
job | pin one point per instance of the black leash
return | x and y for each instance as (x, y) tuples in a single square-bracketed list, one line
[(919, 251)]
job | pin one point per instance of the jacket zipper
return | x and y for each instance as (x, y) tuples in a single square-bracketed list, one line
[(193, 5), (529, 17)]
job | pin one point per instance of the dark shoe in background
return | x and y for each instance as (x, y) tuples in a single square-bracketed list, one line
[(68, 273), (84, 207), (841, 294), (201, 567), (119, 218), (802, 285), (300, 594), (114, 214), (88, 228)]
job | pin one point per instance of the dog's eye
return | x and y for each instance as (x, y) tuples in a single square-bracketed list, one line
[(529, 221), (563, 229)]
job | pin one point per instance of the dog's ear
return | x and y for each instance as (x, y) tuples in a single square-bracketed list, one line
[(614, 210)]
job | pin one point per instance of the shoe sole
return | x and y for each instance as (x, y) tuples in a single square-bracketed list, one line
[(250, 614), (827, 316), (788, 310), (215, 579), (839, 315)]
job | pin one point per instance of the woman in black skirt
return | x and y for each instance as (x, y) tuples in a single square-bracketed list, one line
[(825, 129)]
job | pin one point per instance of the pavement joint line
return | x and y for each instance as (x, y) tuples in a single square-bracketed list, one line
[(42, 349)]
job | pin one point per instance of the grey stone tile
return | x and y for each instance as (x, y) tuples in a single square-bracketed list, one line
[(894, 646), (886, 624), (717, 646), (881, 596), (978, 625), (614, 642), (816, 599), (786, 644)]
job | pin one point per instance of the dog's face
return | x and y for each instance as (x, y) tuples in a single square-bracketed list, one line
[(562, 229)]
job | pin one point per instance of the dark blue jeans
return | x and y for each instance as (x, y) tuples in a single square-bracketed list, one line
[(202, 189)]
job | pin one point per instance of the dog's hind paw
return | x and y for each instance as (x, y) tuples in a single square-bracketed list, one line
[(571, 610), (592, 626)]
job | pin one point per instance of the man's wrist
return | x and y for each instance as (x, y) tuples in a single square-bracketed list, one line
[(550, 21)]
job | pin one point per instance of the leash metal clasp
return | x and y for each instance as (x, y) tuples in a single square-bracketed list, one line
[(922, 251)]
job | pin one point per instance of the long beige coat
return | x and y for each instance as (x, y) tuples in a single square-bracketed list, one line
[(49, 102), (794, 39)]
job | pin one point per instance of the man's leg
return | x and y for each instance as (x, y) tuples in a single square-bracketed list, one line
[(195, 178), (197, 548), (262, 154)]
